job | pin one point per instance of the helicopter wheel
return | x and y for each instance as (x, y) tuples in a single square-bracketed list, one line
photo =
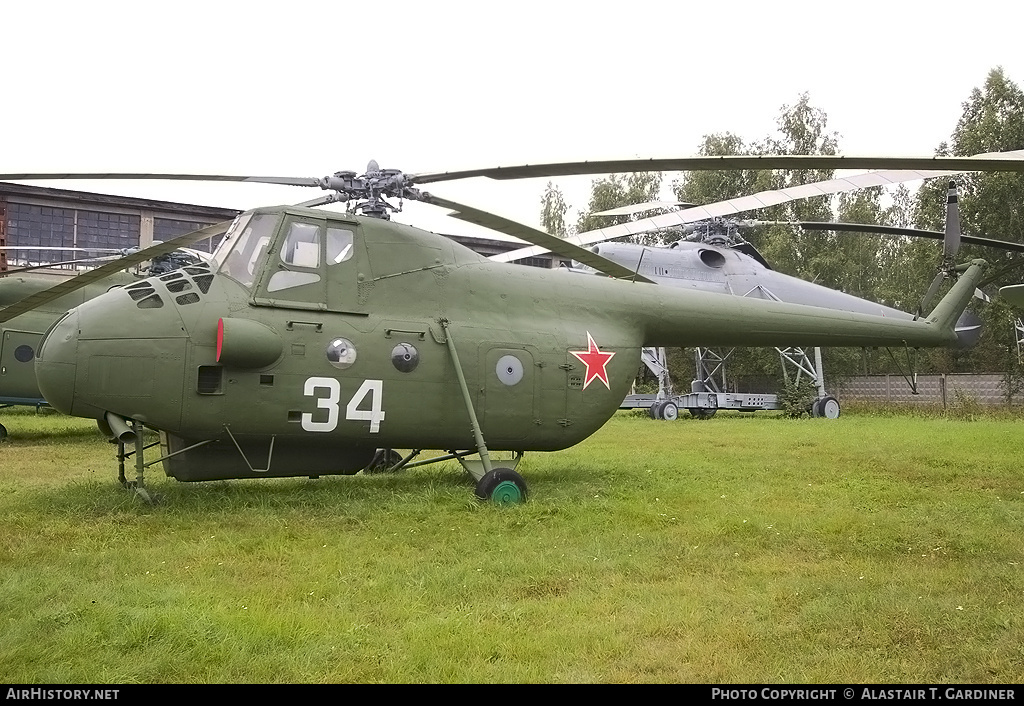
[(383, 461), (828, 407), (3, 432), (502, 486)]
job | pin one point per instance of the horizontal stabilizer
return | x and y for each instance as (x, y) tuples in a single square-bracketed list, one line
[(1014, 294)]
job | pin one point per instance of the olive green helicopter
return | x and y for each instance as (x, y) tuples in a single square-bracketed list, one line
[(316, 341)]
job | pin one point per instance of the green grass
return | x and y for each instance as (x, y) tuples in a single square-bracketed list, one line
[(873, 548)]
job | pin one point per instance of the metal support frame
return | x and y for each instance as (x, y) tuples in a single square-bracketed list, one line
[(139, 484), (797, 357), (656, 361), (270, 454), (481, 447), (911, 375), (708, 363), (1018, 325)]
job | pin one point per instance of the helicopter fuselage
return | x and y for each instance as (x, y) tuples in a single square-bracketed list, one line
[(318, 337)]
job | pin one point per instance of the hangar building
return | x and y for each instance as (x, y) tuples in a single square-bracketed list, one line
[(59, 218)]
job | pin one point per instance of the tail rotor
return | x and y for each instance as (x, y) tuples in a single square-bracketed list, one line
[(950, 248)]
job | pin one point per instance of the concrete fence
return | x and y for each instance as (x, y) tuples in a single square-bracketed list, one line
[(933, 390)]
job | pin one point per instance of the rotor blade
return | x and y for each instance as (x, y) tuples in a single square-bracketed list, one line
[(29, 268), (1013, 294), (951, 239), (285, 181), (990, 161), (646, 206), (75, 283), (319, 201), (913, 232), (730, 207), (8, 248), (926, 300), (532, 235)]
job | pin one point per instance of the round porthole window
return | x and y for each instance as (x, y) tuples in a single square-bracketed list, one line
[(509, 369), (23, 354), (405, 357), (341, 353)]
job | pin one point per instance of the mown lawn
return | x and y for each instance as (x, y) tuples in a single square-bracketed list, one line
[(872, 548)]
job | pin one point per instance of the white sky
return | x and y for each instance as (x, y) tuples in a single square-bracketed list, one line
[(303, 88)]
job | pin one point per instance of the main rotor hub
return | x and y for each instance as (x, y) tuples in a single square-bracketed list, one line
[(371, 189)]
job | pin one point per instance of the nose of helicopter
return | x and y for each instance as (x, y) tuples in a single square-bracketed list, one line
[(56, 363), (121, 352)]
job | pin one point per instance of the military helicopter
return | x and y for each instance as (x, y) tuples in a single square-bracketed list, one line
[(316, 338)]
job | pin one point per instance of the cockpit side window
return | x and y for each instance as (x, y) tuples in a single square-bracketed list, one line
[(244, 245), (300, 252), (339, 245), (301, 247)]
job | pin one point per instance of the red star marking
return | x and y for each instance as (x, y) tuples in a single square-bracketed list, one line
[(595, 361)]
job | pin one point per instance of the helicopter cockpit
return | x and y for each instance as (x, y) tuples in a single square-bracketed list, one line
[(291, 257), (243, 245)]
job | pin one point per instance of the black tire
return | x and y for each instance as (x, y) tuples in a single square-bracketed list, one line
[(503, 486), (698, 413), (654, 411), (3, 432), (815, 410), (669, 411), (828, 407), (383, 461)]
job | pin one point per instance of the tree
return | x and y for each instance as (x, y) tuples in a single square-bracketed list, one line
[(991, 204), (552, 211), (617, 190), (702, 187)]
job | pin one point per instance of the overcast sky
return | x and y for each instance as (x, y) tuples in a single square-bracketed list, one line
[(303, 88)]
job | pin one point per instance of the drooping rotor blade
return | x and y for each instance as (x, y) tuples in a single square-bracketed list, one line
[(761, 199), (29, 268), (1014, 294), (990, 161), (284, 181), (532, 235), (914, 232), (926, 301), (640, 207), (8, 248), (75, 283)]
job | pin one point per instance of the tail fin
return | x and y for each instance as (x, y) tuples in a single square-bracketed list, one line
[(948, 311)]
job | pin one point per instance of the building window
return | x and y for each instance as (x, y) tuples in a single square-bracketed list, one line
[(165, 229), (39, 225)]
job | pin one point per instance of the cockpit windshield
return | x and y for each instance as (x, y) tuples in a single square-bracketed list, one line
[(241, 252)]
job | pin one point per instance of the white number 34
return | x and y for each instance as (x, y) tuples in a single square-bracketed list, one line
[(374, 415)]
